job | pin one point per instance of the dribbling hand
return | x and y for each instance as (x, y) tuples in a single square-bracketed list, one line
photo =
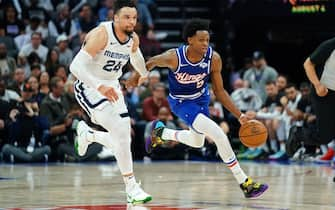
[(321, 90), (109, 92), (243, 119), (251, 114)]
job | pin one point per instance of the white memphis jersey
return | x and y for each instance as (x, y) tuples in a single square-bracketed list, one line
[(109, 62)]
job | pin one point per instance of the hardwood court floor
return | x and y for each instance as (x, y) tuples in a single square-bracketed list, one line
[(174, 185)]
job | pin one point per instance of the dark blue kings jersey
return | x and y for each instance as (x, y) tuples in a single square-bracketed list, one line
[(190, 80)]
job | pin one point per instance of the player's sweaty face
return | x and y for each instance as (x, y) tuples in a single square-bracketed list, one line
[(200, 41), (127, 18)]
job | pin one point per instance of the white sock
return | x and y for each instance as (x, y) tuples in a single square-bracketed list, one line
[(208, 127), (169, 134), (129, 181), (238, 173), (188, 137), (274, 146), (282, 146), (331, 144), (265, 147), (324, 149)]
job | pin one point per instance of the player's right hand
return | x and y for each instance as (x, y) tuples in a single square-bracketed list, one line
[(109, 92), (251, 114), (321, 90), (243, 119)]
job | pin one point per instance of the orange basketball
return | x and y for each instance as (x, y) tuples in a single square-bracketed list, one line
[(253, 133)]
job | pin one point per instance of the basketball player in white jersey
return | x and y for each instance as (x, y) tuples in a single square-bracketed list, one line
[(98, 66)]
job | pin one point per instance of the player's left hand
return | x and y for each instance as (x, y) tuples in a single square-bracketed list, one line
[(135, 80), (142, 80), (136, 42), (243, 119), (132, 81)]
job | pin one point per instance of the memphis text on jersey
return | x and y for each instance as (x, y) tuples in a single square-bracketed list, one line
[(116, 55)]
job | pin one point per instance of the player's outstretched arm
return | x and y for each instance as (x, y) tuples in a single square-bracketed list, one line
[(167, 59), (219, 91)]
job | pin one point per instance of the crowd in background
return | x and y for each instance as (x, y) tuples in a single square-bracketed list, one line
[(39, 114)]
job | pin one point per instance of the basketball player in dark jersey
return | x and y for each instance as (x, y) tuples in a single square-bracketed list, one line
[(192, 65)]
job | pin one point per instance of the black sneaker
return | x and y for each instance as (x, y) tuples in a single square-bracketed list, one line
[(253, 189)]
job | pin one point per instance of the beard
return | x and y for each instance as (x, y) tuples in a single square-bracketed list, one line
[(128, 32)]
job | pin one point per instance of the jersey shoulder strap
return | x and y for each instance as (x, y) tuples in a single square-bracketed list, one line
[(109, 28), (181, 57), (209, 54)]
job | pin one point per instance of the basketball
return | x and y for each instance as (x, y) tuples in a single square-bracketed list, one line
[(253, 133)]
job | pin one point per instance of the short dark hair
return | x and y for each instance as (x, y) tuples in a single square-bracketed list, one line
[(194, 25), (35, 66), (271, 82), (290, 85), (258, 55), (36, 33), (85, 5), (119, 4), (59, 66), (284, 76), (158, 85), (33, 57), (305, 85), (54, 82)]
